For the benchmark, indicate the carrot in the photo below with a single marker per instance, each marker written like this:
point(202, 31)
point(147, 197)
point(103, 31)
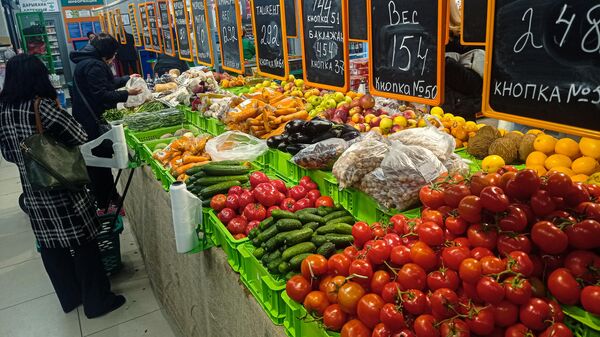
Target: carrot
point(255, 121)
point(275, 132)
point(265, 116)
point(181, 169)
point(243, 115)
point(302, 114)
point(182, 177)
point(187, 159)
point(285, 111)
point(175, 161)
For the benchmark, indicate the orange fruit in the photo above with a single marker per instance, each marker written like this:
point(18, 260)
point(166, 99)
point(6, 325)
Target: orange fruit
point(544, 143)
point(568, 147)
point(540, 169)
point(564, 170)
point(491, 164)
point(536, 158)
point(579, 178)
point(585, 165)
point(557, 160)
point(590, 147)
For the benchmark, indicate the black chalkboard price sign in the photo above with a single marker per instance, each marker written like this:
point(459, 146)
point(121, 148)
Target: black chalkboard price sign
point(270, 38)
point(473, 22)
point(406, 49)
point(229, 23)
point(324, 28)
point(135, 30)
point(153, 26)
point(182, 29)
point(290, 18)
point(204, 51)
point(357, 20)
point(165, 27)
point(543, 64)
point(145, 29)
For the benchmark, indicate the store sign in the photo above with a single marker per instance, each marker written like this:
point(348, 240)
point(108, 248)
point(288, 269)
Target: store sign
point(204, 51)
point(182, 29)
point(324, 27)
point(135, 30)
point(270, 38)
point(229, 23)
point(542, 64)
point(473, 22)
point(145, 29)
point(71, 3)
point(38, 5)
point(406, 49)
point(165, 27)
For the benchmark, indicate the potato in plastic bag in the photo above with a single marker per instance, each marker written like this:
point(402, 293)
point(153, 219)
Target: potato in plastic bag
point(321, 155)
point(430, 137)
point(234, 145)
point(359, 159)
point(402, 173)
point(456, 165)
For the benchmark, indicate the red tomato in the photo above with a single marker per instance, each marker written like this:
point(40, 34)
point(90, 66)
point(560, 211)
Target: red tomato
point(431, 196)
point(378, 252)
point(313, 195)
point(470, 270)
point(239, 236)
point(302, 204)
point(271, 209)
point(443, 278)
point(379, 280)
point(590, 299)
point(297, 287)
point(556, 310)
point(392, 240)
point(361, 233)
point(298, 192)
point(368, 309)
point(218, 202)
point(308, 183)
point(538, 288)
point(324, 201)
point(582, 264)
point(535, 314)
point(520, 262)
point(470, 209)
point(287, 204)
point(237, 225)
point(255, 212)
point(316, 302)
point(426, 326)
point(549, 238)
point(518, 290)
point(355, 328)
point(431, 233)
point(364, 270)
point(279, 185)
point(482, 236)
point(257, 178)
point(414, 301)
point(455, 193)
point(381, 330)
point(433, 216)
point(332, 287)
point(313, 266)
point(412, 276)
point(454, 327)
point(518, 330)
point(246, 198)
point(398, 222)
point(563, 286)
point(492, 265)
point(378, 230)
point(266, 194)
point(339, 264)
point(558, 184)
point(515, 219)
point(542, 203)
point(489, 290)
point(493, 199)
point(235, 190)
point(391, 315)
point(577, 194)
point(584, 234)
point(454, 255)
point(348, 296)
point(506, 313)
point(251, 225)
point(480, 180)
point(226, 215)
point(482, 323)
point(456, 225)
point(351, 252)
point(469, 294)
point(424, 256)
point(557, 330)
point(444, 303)
point(509, 243)
point(391, 292)
point(479, 253)
point(334, 317)
point(591, 210)
point(523, 185)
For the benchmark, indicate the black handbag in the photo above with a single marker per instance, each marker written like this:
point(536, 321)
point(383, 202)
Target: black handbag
point(103, 127)
point(50, 164)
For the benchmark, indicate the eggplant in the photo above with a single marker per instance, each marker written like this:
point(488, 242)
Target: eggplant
point(299, 137)
point(334, 132)
point(282, 146)
point(317, 127)
point(296, 125)
point(274, 141)
point(295, 148)
point(350, 134)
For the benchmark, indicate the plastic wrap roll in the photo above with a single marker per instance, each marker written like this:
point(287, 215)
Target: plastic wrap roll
point(187, 214)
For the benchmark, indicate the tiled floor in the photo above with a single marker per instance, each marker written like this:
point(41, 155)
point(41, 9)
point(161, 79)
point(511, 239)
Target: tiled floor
point(28, 305)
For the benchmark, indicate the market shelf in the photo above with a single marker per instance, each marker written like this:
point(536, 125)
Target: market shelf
point(221, 237)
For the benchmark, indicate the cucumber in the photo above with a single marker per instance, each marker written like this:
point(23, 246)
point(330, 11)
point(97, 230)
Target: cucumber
point(218, 188)
point(334, 215)
point(297, 236)
point(290, 274)
point(284, 267)
point(312, 225)
point(255, 242)
point(281, 214)
point(345, 219)
point(307, 217)
point(266, 234)
point(296, 261)
point(225, 170)
point(270, 257)
point(304, 247)
point(258, 253)
point(253, 233)
point(227, 162)
point(340, 240)
point(326, 249)
point(266, 223)
point(339, 228)
point(273, 266)
point(310, 210)
point(207, 181)
point(274, 242)
point(193, 170)
point(284, 225)
point(318, 240)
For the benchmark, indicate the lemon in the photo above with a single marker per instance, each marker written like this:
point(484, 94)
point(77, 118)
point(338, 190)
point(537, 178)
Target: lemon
point(557, 160)
point(568, 147)
point(585, 165)
point(579, 178)
point(491, 164)
point(564, 170)
point(540, 169)
point(535, 132)
point(480, 125)
point(544, 143)
point(536, 158)
point(436, 110)
point(590, 147)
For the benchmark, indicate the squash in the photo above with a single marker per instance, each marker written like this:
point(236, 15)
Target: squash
point(165, 87)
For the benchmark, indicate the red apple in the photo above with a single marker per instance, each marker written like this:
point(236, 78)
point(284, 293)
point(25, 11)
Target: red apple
point(367, 101)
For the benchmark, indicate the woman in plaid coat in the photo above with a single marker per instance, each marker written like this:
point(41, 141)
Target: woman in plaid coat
point(64, 222)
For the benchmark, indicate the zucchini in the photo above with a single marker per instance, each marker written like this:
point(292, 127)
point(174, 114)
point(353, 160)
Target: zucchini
point(207, 181)
point(296, 261)
point(340, 240)
point(281, 214)
point(266, 234)
point(318, 240)
point(297, 236)
point(345, 219)
point(301, 248)
point(339, 228)
point(225, 170)
point(312, 225)
point(258, 253)
point(273, 265)
point(326, 249)
point(284, 267)
point(307, 217)
point(266, 223)
point(284, 225)
point(334, 215)
point(223, 187)
point(270, 257)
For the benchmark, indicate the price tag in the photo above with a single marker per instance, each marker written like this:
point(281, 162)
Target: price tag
point(133, 19)
point(270, 39)
point(182, 29)
point(153, 26)
point(229, 23)
point(202, 32)
point(145, 30)
point(165, 27)
point(542, 64)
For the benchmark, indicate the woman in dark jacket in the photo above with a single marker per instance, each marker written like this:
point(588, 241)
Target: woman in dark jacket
point(95, 83)
point(63, 222)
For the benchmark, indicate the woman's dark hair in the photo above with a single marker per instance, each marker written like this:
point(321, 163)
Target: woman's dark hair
point(26, 78)
point(106, 45)
point(90, 34)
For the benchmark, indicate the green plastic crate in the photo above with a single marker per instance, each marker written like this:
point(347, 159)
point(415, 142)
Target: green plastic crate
point(225, 240)
point(265, 287)
point(214, 126)
point(279, 162)
point(474, 163)
point(298, 323)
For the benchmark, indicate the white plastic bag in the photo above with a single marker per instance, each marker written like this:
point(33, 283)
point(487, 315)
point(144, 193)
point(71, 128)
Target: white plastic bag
point(321, 155)
point(142, 97)
point(235, 145)
point(430, 137)
point(359, 159)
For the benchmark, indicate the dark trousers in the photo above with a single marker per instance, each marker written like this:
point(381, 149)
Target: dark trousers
point(79, 278)
point(103, 184)
point(129, 67)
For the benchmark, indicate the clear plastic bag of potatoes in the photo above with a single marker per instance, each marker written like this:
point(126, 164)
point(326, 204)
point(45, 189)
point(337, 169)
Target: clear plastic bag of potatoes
point(359, 159)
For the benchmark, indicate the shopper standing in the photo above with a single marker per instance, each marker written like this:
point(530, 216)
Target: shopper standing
point(62, 221)
point(95, 92)
point(127, 56)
